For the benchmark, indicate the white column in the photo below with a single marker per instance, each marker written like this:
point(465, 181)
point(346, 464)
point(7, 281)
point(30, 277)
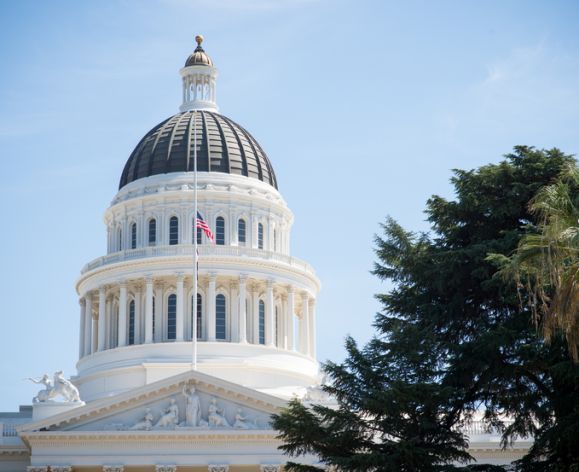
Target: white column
point(138, 314)
point(179, 322)
point(158, 321)
point(312, 327)
point(81, 329)
point(242, 324)
point(269, 315)
point(234, 315)
point(108, 323)
point(102, 319)
point(88, 323)
point(211, 308)
point(255, 313)
point(290, 319)
point(122, 330)
point(148, 310)
point(304, 325)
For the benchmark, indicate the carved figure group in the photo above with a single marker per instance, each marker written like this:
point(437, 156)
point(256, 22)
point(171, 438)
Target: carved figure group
point(57, 386)
point(169, 417)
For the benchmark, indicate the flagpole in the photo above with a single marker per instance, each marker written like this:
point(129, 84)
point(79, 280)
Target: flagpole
point(195, 257)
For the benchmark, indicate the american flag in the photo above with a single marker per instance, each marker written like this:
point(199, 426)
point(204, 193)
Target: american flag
point(201, 224)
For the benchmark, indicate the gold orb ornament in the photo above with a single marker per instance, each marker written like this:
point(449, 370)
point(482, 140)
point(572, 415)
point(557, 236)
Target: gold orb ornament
point(199, 39)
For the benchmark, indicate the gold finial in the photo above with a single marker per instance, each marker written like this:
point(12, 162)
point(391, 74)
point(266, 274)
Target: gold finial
point(199, 39)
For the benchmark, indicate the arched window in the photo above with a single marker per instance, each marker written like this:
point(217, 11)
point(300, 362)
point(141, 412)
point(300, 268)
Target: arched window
point(260, 236)
point(220, 230)
point(199, 232)
point(261, 322)
point(120, 239)
point(152, 232)
point(174, 230)
point(132, 322)
point(220, 317)
point(133, 236)
point(199, 316)
point(172, 317)
point(241, 232)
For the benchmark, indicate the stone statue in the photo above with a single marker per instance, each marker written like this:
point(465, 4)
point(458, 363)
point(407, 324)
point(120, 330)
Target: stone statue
point(65, 388)
point(46, 393)
point(192, 407)
point(146, 424)
point(57, 386)
point(170, 417)
point(215, 417)
point(242, 422)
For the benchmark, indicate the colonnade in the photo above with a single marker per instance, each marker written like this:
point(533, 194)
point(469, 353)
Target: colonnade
point(237, 309)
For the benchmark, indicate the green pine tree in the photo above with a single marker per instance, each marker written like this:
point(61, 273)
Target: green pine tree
point(451, 339)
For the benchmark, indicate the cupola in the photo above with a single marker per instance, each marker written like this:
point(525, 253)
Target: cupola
point(199, 79)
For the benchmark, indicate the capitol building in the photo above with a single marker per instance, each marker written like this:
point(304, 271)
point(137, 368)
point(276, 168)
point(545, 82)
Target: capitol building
point(170, 378)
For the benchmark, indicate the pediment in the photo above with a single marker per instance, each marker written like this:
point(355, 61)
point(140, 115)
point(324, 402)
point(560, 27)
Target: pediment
point(191, 402)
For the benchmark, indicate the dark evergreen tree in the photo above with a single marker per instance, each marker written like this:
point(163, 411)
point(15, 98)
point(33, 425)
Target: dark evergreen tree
point(451, 339)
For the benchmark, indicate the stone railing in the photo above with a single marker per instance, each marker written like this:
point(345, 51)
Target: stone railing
point(205, 250)
point(477, 428)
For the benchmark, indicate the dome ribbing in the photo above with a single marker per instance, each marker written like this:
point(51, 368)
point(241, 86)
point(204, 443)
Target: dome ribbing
point(222, 146)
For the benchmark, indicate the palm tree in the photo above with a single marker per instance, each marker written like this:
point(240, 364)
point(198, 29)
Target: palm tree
point(545, 265)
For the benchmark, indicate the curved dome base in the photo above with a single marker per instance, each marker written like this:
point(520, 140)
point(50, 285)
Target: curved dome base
point(113, 371)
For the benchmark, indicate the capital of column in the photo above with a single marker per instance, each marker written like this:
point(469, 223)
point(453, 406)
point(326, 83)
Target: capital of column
point(165, 468)
point(149, 279)
point(270, 468)
point(180, 277)
point(243, 279)
point(269, 284)
point(212, 277)
point(218, 468)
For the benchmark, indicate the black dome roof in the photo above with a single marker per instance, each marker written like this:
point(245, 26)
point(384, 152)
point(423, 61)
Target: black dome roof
point(222, 146)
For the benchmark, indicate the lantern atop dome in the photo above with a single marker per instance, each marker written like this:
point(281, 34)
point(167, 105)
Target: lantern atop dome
point(199, 80)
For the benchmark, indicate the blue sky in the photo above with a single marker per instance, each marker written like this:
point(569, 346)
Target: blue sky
point(363, 107)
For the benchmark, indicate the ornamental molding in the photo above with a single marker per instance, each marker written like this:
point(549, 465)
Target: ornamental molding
point(270, 468)
point(60, 468)
point(113, 468)
point(37, 468)
point(166, 468)
point(218, 468)
point(305, 277)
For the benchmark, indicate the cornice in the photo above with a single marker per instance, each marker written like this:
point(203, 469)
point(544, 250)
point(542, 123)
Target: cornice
point(107, 406)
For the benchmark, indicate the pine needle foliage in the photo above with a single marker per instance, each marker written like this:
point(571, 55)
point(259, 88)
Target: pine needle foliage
point(450, 340)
